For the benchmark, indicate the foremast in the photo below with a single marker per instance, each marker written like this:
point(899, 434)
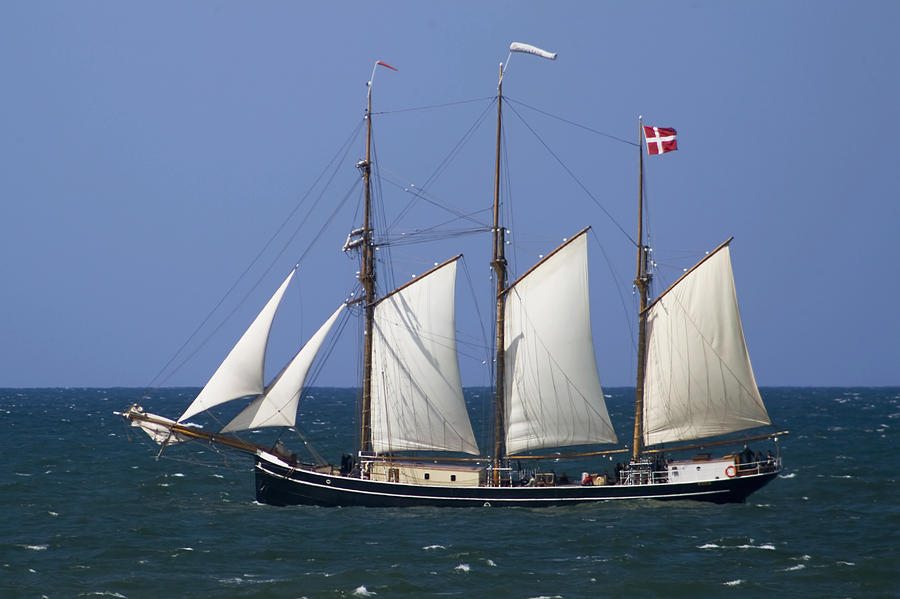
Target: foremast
point(367, 272)
point(642, 282)
point(367, 280)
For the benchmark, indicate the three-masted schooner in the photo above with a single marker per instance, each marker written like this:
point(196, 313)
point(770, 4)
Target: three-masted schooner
point(694, 381)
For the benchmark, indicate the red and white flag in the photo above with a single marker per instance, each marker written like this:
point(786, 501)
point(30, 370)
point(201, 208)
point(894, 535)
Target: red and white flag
point(660, 140)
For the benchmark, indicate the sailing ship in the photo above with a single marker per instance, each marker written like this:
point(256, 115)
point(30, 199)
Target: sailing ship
point(694, 383)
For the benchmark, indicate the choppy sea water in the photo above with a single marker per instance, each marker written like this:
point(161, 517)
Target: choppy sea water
point(87, 511)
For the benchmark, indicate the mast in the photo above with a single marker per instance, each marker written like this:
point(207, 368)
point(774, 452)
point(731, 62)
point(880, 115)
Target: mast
point(498, 263)
point(367, 279)
point(642, 281)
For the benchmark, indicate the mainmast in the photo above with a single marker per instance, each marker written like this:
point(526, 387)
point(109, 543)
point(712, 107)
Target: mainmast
point(498, 263)
point(642, 281)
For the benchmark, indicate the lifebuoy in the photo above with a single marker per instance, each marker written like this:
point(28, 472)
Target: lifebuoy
point(730, 471)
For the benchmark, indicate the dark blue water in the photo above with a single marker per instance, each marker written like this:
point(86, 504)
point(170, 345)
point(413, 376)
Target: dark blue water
point(89, 512)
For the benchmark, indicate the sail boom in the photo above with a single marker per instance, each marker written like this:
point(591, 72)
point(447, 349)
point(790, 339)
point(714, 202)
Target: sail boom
point(718, 443)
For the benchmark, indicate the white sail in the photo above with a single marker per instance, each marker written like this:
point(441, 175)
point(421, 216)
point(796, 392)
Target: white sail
point(553, 393)
point(699, 382)
point(241, 373)
point(278, 405)
point(417, 399)
point(158, 428)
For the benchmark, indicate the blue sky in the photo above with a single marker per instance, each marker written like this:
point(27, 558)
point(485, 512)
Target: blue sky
point(148, 151)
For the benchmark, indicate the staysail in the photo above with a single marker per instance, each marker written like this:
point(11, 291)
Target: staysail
point(278, 405)
point(699, 381)
point(417, 399)
point(241, 373)
point(553, 393)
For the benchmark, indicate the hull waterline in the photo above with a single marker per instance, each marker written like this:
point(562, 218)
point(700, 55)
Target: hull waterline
point(283, 486)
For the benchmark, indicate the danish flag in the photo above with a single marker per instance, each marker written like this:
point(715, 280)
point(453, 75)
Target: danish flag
point(660, 140)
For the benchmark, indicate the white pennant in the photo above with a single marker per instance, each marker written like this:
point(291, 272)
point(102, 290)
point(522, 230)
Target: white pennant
point(529, 49)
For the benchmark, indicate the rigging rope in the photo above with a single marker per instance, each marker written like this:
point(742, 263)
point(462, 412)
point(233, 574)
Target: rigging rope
point(445, 163)
point(573, 123)
point(156, 382)
point(574, 178)
point(434, 106)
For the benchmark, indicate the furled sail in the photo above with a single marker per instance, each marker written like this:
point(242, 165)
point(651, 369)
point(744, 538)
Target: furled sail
point(278, 405)
point(699, 382)
point(241, 373)
point(553, 393)
point(417, 399)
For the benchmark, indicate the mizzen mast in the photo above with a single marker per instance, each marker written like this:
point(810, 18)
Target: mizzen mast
point(642, 282)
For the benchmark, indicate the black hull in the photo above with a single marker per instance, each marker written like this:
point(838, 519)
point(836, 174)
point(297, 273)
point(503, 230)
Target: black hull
point(277, 485)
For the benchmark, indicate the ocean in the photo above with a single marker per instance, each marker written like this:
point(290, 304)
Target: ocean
point(88, 511)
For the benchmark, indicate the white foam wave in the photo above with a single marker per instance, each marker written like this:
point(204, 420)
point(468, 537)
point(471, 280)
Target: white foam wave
point(767, 546)
point(794, 568)
point(362, 591)
point(246, 579)
point(463, 568)
point(789, 475)
point(431, 547)
point(733, 583)
point(35, 547)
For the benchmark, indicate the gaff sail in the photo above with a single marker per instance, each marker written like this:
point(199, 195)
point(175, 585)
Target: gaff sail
point(417, 399)
point(553, 392)
point(699, 382)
